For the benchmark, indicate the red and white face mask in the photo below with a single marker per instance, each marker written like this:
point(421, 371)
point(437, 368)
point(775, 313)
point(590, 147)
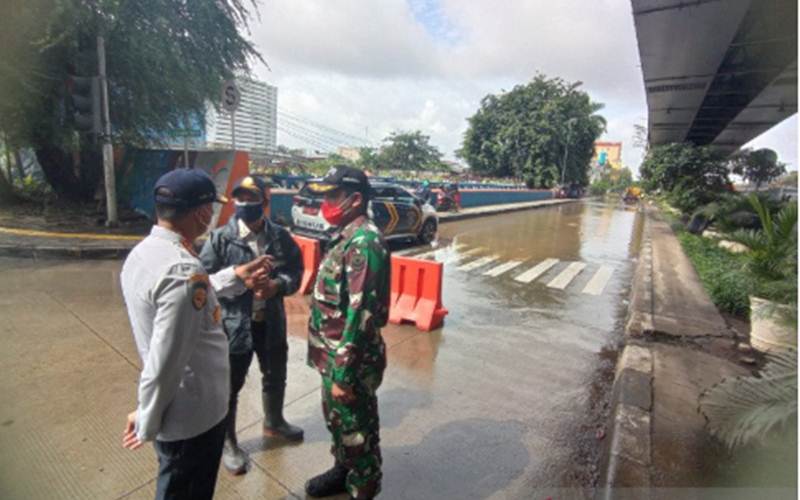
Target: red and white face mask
point(334, 214)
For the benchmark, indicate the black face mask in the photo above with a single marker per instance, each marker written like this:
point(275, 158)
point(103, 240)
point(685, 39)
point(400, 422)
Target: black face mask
point(249, 212)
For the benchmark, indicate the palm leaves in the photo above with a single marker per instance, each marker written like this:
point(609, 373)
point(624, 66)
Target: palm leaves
point(741, 409)
point(744, 408)
point(774, 246)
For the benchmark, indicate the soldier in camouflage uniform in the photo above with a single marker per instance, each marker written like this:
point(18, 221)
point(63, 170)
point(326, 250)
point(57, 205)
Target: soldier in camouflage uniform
point(350, 304)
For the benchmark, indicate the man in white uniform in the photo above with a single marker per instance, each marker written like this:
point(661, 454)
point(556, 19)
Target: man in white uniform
point(176, 322)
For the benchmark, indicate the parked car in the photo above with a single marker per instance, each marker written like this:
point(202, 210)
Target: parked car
point(395, 210)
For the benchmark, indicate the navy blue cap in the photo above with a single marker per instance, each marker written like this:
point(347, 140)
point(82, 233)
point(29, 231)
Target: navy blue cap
point(250, 183)
point(186, 188)
point(341, 176)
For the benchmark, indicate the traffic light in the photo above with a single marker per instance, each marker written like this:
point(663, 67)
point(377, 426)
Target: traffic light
point(84, 93)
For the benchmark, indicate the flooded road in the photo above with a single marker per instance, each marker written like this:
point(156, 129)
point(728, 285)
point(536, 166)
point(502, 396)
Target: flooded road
point(526, 346)
point(504, 401)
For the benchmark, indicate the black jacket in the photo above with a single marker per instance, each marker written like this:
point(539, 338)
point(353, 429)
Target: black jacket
point(225, 248)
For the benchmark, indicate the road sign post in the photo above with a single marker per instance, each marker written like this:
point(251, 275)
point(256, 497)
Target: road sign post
point(231, 97)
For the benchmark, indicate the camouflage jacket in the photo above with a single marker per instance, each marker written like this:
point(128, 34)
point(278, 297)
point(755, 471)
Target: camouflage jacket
point(349, 305)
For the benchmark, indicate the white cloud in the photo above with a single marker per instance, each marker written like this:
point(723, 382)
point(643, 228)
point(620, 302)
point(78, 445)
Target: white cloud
point(368, 68)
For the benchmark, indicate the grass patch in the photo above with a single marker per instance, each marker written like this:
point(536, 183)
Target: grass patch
point(722, 273)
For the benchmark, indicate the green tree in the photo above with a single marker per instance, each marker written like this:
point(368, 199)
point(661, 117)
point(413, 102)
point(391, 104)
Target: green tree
point(165, 59)
point(320, 167)
point(612, 180)
point(369, 159)
point(759, 167)
point(691, 175)
point(410, 151)
point(539, 132)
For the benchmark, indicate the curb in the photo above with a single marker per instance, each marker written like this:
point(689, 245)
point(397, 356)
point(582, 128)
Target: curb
point(43, 252)
point(627, 455)
point(629, 451)
point(73, 251)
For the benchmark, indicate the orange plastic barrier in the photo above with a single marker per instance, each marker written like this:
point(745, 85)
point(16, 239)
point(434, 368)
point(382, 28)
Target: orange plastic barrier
point(312, 255)
point(416, 294)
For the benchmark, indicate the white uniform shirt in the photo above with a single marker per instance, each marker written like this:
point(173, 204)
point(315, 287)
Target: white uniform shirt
point(175, 318)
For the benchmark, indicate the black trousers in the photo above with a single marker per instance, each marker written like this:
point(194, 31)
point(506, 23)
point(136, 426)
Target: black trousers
point(272, 352)
point(187, 469)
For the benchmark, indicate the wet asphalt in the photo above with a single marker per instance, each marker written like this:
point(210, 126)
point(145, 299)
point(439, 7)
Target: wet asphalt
point(507, 400)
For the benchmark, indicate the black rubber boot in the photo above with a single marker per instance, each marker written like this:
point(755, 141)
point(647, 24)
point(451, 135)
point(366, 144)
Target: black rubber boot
point(331, 482)
point(233, 458)
point(274, 423)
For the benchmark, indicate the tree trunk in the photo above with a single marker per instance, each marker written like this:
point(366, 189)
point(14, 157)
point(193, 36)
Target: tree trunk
point(59, 170)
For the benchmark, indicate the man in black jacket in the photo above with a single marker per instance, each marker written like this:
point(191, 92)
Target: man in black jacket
point(255, 320)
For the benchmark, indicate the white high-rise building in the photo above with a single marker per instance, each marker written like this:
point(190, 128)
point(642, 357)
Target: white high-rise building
point(256, 119)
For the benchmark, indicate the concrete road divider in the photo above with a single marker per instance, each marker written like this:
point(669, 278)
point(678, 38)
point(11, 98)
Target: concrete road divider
point(312, 255)
point(416, 293)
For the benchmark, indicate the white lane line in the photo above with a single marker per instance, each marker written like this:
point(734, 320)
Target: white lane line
point(477, 263)
point(463, 255)
point(406, 252)
point(425, 255)
point(567, 275)
point(599, 280)
point(502, 268)
point(536, 271)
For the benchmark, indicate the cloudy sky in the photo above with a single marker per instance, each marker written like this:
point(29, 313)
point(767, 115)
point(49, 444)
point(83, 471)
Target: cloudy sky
point(369, 67)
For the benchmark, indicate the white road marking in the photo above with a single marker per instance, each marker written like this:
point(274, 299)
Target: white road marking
point(502, 268)
point(536, 271)
point(405, 252)
point(567, 275)
point(425, 255)
point(599, 280)
point(463, 255)
point(477, 263)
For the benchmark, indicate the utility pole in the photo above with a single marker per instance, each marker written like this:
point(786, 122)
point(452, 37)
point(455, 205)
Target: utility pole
point(108, 153)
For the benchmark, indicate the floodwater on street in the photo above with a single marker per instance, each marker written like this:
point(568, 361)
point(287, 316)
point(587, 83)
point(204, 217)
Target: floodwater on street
point(505, 401)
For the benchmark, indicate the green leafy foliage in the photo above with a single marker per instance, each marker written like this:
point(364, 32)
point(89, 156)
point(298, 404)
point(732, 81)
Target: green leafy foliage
point(690, 176)
point(734, 211)
point(758, 167)
point(533, 132)
point(612, 181)
point(722, 273)
point(164, 61)
point(773, 252)
point(320, 167)
point(742, 409)
point(409, 151)
point(369, 159)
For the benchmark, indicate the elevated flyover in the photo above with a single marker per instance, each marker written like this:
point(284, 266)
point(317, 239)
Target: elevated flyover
point(717, 72)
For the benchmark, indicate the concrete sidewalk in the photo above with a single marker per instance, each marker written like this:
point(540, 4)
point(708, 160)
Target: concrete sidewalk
point(40, 237)
point(677, 346)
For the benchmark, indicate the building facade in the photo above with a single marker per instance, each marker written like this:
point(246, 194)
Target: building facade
point(256, 120)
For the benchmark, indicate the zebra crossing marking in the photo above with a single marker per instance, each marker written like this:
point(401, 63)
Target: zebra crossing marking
point(536, 271)
point(477, 263)
point(426, 254)
point(463, 255)
point(567, 275)
point(502, 268)
point(599, 281)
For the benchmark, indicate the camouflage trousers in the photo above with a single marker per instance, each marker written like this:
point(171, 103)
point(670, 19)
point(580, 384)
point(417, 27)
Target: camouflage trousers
point(355, 428)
